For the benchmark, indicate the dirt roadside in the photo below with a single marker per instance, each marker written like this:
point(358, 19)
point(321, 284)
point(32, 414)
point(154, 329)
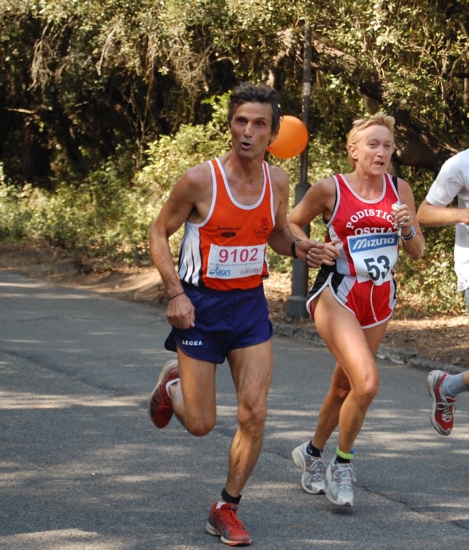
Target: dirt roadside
point(442, 338)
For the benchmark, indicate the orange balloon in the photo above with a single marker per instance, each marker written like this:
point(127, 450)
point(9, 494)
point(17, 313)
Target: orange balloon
point(291, 140)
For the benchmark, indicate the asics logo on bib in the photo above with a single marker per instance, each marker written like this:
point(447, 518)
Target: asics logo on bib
point(220, 272)
point(372, 242)
point(192, 342)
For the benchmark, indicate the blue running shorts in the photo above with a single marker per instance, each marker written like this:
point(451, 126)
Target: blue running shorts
point(224, 320)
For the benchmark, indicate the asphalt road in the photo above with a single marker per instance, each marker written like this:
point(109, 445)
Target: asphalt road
point(83, 468)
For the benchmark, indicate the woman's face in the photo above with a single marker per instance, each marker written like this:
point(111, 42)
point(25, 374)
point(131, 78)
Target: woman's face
point(373, 151)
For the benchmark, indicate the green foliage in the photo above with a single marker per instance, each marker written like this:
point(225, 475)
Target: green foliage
point(102, 217)
point(78, 79)
point(407, 54)
point(170, 156)
point(430, 283)
point(14, 211)
point(110, 213)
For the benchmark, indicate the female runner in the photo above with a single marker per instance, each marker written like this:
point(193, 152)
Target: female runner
point(368, 214)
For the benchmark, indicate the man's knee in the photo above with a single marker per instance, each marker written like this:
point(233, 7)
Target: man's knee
point(199, 425)
point(252, 417)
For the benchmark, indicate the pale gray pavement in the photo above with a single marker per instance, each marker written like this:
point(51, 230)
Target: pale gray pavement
point(82, 467)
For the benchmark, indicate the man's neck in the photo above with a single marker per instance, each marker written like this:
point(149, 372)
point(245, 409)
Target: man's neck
point(246, 171)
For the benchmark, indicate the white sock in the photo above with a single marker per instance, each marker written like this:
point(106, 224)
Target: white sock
point(170, 383)
point(453, 385)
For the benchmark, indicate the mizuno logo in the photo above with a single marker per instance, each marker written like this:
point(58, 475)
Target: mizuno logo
point(374, 242)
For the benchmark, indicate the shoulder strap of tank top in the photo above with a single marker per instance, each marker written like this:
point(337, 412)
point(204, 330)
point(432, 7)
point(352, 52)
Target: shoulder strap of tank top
point(269, 189)
point(219, 181)
point(337, 181)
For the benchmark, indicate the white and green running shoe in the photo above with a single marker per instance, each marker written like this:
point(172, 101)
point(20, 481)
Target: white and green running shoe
point(339, 478)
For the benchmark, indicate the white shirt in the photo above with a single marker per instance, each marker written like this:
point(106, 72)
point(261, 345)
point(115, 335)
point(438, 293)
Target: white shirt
point(451, 182)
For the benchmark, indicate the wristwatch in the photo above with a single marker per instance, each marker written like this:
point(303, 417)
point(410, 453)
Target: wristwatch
point(293, 247)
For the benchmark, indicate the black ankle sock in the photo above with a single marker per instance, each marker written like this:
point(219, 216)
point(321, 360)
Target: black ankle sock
point(228, 498)
point(313, 451)
point(341, 460)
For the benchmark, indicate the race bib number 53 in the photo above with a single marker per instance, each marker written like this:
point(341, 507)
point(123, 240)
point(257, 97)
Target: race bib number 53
point(374, 256)
point(235, 262)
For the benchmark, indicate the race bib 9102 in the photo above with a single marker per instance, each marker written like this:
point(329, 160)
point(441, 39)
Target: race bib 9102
point(235, 262)
point(374, 256)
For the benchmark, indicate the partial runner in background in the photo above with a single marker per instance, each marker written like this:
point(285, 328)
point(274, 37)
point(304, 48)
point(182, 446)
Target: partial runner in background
point(451, 182)
point(444, 389)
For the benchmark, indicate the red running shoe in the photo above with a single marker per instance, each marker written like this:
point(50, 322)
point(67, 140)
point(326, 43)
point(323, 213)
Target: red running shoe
point(160, 407)
point(225, 523)
point(442, 413)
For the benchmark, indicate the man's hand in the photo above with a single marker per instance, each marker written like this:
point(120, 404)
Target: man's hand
point(181, 312)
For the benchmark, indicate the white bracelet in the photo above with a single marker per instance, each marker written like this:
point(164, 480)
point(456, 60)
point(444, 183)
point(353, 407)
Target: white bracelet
point(410, 236)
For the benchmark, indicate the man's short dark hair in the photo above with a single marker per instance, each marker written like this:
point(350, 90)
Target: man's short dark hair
point(250, 93)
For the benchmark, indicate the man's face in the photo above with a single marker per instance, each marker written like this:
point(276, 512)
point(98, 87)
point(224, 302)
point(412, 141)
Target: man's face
point(251, 129)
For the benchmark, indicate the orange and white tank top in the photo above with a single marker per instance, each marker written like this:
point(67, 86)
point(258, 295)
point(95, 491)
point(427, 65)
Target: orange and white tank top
point(228, 249)
point(368, 238)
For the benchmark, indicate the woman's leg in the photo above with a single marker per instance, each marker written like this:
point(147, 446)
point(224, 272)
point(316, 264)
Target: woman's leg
point(355, 379)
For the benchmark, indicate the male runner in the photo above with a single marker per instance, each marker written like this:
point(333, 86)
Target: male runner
point(451, 182)
point(231, 207)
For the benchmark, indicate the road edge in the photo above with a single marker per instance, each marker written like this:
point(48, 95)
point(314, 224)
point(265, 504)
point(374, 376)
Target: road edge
point(394, 355)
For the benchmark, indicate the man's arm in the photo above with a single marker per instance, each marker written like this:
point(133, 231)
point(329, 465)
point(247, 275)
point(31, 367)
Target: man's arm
point(189, 192)
point(312, 252)
point(450, 181)
point(438, 216)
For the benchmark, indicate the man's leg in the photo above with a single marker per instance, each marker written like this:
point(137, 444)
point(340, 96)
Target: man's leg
point(194, 396)
point(444, 389)
point(186, 387)
point(251, 369)
point(189, 392)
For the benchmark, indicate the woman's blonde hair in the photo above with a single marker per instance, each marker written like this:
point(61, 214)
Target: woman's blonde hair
point(380, 119)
